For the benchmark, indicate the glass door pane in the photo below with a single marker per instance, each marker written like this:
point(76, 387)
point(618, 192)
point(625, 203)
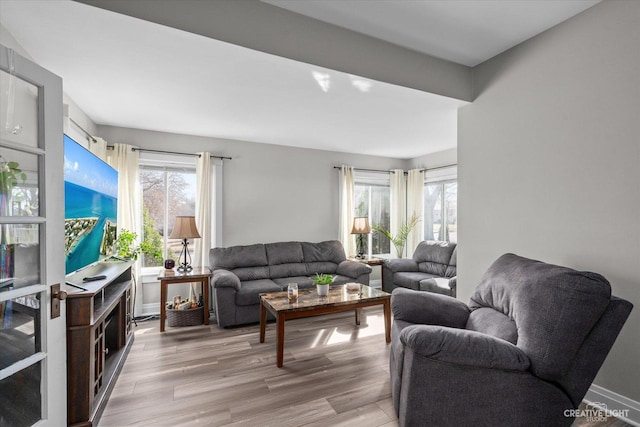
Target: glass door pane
point(22, 317)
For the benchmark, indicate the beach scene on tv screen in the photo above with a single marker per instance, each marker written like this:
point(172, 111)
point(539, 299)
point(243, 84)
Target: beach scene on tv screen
point(91, 189)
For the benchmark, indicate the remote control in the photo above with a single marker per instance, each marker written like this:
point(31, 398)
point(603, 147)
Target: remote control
point(94, 278)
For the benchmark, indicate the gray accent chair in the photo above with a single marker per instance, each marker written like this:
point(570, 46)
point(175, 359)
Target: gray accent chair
point(432, 268)
point(524, 350)
point(242, 273)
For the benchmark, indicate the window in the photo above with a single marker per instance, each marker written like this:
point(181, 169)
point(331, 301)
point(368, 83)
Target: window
point(371, 199)
point(440, 211)
point(166, 193)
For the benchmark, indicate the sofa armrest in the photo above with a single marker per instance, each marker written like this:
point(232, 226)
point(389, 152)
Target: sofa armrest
point(225, 279)
point(400, 264)
point(428, 308)
point(352, 269)
point(453, 284)
point(464, 347)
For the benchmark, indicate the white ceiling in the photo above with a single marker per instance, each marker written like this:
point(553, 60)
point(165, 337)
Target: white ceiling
point(126, 72)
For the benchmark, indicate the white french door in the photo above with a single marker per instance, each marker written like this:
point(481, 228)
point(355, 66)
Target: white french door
point(32, 343)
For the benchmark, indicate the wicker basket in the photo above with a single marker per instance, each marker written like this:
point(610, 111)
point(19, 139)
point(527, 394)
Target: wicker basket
point(190, 317)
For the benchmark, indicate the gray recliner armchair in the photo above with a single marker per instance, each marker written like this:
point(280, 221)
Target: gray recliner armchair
point(525, 349)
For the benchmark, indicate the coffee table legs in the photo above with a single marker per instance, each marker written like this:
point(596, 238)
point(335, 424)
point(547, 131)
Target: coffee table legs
point(280, 332)
point(387, 320)
point(280, 320)
point(263, 321)
point(163, 304)
point(280, 324)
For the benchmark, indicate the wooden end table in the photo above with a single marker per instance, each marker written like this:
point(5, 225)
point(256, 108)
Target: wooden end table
point(169, 277)
point(310, 304)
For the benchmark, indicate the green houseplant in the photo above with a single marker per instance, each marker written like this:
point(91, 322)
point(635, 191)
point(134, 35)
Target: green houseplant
point(125, 246)
point(399, 240)
point(322, 282)
point(10, 174)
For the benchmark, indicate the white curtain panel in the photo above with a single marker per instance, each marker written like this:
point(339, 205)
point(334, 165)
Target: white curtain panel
point(398, 200)
point(346, 194)
point(204, 211)
point(98, 146)
point(125, 160)
point(415, 205)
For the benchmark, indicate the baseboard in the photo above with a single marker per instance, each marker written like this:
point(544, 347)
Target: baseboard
point(151, 309)
point(376, 283)
point(614, 404)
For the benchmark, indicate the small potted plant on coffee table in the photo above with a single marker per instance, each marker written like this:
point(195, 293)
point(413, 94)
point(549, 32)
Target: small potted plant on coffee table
point(322, 282)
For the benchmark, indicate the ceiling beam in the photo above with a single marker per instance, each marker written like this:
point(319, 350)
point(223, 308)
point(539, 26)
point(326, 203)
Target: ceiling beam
point(266, 28)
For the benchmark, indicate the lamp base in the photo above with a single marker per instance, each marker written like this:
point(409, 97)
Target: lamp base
point(184, 268)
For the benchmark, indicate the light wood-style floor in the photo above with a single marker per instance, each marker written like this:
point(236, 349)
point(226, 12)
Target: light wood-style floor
point(335, 374)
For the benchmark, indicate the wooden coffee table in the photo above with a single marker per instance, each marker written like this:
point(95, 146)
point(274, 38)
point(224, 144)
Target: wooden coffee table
point(310, 304)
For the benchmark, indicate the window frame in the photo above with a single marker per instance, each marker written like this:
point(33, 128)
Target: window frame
point(165, 166)
point(442, 177)
point(373, 179)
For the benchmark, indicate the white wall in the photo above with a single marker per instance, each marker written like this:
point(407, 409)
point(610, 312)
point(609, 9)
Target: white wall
point(72, 109)
point(271, 192)
point(434, 160)
point(549, 163)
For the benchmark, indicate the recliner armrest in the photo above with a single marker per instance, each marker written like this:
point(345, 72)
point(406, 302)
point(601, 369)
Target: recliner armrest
point(464, 347)
point(400, 264)
point(352, 269)
point(225, 279)
point(428, 308)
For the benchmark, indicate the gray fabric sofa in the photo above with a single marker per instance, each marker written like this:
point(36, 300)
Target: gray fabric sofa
point(432, 268)
point(242, 273)
point(523, 352)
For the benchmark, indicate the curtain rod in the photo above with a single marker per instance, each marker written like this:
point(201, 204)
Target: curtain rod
point(147, 150)
point(366, 170)
point(438, 167)
point(89, 136)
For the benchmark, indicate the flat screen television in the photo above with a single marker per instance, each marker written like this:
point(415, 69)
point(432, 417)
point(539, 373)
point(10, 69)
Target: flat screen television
point(90, 207)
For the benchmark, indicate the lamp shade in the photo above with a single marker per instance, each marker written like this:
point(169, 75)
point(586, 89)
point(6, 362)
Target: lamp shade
point(361, 225)
point(185, 228)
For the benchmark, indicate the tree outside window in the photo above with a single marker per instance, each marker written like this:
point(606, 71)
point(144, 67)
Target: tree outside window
point(166, 194)
point(441, 211)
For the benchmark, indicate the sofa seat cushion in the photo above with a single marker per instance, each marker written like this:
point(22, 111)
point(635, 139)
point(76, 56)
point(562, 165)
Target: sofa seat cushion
point(251, 273)
point(411, 280)
point(249, 293)
point(341, 280)
point(438, 285)
point(304, 282)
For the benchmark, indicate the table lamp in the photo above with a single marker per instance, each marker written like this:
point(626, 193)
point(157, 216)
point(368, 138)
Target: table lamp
point(185, 228)
point(360, 227)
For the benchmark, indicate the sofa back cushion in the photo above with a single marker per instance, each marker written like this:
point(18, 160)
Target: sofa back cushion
point(247, 262)
point(329, 251)
point(285, 259)
point(553, 308)
point(494, 323)
point(323, 257)
point(451, 270)
point(433, 257)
